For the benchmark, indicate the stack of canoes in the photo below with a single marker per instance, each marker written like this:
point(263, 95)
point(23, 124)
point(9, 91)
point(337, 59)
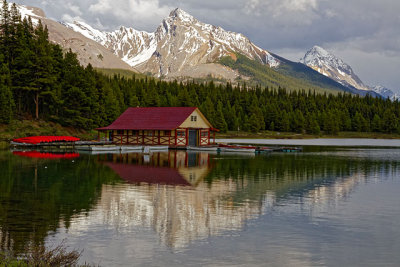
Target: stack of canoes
point(45, 139)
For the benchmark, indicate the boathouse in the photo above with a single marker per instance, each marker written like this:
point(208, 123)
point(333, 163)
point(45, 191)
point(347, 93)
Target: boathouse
point(171, 126)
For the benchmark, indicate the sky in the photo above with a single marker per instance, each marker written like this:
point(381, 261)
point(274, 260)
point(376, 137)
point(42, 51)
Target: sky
point(365, 34)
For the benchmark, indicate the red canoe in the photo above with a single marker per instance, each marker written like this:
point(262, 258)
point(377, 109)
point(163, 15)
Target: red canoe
point(45, 139)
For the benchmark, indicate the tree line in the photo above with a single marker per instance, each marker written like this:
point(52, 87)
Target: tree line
point(39, 80)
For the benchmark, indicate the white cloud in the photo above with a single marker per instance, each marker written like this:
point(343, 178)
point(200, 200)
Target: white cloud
point(74, 8)
point(132, 11)
point(101, 7)
point(289, 12)
point(69, 18)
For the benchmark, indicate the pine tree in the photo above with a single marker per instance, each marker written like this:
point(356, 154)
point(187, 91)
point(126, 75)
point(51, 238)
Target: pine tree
point(220, 122)
point(376, 124)
point(6, 98)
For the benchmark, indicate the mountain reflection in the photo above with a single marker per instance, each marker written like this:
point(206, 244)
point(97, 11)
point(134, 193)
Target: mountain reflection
point(215, 194)
point(182, 196)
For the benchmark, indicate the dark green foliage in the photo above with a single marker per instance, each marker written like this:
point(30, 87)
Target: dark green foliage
point(6, 98)
point(38, 79)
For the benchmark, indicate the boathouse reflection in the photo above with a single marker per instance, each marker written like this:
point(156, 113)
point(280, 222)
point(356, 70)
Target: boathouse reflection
point(171, 168)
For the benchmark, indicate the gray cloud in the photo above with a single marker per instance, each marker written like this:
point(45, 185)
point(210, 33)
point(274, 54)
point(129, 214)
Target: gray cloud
point(363, 33)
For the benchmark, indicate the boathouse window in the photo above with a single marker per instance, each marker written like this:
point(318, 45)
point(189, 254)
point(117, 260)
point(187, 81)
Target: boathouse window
point(204, 133)
point(135, 132)
point(181, 133)
point(193, 118)
point(120, 132)
point(167, 133)
point(150, 133)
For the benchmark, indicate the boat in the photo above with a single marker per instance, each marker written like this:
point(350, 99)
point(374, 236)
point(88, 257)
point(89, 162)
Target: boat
point(83, 148)
point(291, 149)
point(203, 148)
point(264, 149)
point(34, 140)
point(89, 152)
point(158, 148)
point(236, 148)
point(104, 148)
point(132, 148)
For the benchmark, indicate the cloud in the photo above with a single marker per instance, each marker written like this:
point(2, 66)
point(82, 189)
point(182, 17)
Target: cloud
point(283, 12)
point(69, 18)
point(136, 12)
point(101, 7)
point(75, 9)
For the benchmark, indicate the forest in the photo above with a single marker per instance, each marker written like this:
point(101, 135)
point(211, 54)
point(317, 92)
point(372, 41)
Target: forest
point(39, 80)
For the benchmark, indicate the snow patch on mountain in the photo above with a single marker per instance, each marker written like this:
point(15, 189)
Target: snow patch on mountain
point(180, 41)
point(386, 92)
point(331, 66)
point(87, 31)
point(26, 12)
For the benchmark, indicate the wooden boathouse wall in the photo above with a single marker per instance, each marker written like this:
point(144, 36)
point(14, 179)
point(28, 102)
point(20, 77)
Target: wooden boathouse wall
point(193, 128)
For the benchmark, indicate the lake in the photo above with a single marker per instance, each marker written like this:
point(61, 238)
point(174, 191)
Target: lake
point(325, 206)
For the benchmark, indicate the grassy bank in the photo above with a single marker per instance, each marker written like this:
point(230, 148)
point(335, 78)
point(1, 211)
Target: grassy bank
point(281, 135)
point(17, 129)
point(39, 255)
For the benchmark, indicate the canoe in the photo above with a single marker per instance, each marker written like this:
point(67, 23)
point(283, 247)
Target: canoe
point(202, 148)
point(158, 148)
point(104, 148)
point(237, 148)
point(132, 148)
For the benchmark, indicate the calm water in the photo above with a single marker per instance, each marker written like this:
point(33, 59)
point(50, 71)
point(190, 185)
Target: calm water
point(323, 207)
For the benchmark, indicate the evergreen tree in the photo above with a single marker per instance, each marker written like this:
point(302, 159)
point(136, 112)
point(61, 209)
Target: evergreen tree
point(219, 119)
point(6, 99)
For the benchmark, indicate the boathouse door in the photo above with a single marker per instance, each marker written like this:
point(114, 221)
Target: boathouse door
point(192, 137)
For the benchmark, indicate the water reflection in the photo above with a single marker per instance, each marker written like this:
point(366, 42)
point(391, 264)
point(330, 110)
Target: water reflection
point(187, 211)
point(46, 155)
point(186, 197)
point(38, 195)
point(170, 168)
point(181, 197)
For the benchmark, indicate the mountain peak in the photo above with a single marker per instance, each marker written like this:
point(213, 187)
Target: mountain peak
point(319, 50)
point(331, 66)
point(180, 14)
point(316, 53)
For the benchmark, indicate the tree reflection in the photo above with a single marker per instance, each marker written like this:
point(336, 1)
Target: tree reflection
point(38, 195)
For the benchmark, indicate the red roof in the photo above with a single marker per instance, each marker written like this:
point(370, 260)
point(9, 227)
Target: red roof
point(155, 118)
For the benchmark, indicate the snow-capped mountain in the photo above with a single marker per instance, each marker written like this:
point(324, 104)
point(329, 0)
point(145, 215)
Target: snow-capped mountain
point(333, 67)
point(180, 44)
point(87, 50)
point(385, 92)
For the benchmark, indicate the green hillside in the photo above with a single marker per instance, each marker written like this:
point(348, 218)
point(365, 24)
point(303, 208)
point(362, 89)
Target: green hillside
point(289, 75)
point(121, 72)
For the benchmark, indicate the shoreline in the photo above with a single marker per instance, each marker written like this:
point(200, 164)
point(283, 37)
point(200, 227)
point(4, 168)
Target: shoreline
point(332, 142)
point(290, 135)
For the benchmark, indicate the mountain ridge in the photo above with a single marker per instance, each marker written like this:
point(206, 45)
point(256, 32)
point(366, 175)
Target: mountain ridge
point(180, 39)
point(335, 68)
point(182, 46)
